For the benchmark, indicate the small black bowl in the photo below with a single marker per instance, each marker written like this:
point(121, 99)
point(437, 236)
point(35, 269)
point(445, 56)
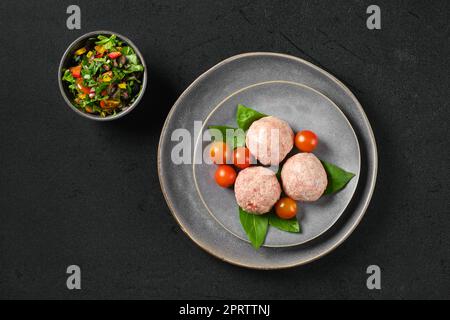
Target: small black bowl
point(65, 63)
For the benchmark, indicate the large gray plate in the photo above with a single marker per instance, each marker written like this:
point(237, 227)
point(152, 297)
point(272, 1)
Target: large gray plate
point(303, 108)
point(197, 102)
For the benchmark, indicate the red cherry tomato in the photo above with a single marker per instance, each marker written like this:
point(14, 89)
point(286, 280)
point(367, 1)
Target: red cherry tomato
point(241, 157)
point(219, 152)
point(306, 141)
point(114, 55)
point(225, 176)
point(286, 208)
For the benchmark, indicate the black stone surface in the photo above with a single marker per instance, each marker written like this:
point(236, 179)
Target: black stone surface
point(73, 191)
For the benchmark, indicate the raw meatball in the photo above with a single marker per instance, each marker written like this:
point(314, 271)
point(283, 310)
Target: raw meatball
point(269, 140)
point(303, 177)
point(257, 189)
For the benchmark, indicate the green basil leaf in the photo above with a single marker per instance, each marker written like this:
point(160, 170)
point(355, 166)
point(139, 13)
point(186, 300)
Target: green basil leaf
point(233, 136)
point(255, 226)
point(290, 225)
point(246, 116)
point(337, 177)
point(278, 174)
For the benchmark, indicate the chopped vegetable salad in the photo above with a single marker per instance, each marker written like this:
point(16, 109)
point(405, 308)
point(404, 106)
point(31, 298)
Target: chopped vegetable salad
point(106, 76)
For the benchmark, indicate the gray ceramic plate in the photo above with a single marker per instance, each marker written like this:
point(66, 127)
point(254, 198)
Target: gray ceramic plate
point(198, 101)
point(303, 108)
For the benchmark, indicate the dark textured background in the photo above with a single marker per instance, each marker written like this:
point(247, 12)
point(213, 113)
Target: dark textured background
point(73, 191)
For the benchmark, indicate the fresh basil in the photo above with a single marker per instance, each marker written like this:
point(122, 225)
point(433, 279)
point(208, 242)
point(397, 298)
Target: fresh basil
point(233, 136)
point(255, 226)
point(246, 116)
point(337, 177)
point(290, 225)
point(278, 174)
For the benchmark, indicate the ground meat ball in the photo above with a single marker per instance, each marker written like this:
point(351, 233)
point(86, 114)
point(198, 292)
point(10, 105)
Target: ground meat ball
point(270, 140)
point(257, 189)
point(303, 177)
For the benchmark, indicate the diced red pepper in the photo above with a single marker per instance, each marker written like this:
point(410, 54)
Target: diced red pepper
point(76, 71)
point(81, 87)
point(104, 93)
point(114, 55)
point(102, 103)
point(99, 55)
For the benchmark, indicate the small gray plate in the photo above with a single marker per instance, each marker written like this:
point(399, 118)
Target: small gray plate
point(198, 101)
point(303, 108)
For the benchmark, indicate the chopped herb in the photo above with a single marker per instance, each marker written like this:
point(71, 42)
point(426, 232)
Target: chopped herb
point(255, 226)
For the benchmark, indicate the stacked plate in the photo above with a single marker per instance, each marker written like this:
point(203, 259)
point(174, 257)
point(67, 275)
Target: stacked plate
point(308, 98)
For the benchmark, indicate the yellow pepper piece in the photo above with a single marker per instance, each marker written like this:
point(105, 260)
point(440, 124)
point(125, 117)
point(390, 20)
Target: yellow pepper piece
point(100, 49)
point(107, 76)
point(122, 85)
point(109, 103)
point(80, 51)
point(82, 96)
point(89, 54)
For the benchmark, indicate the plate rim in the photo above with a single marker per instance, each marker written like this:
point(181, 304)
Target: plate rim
point(364, 118)
point(297, 84)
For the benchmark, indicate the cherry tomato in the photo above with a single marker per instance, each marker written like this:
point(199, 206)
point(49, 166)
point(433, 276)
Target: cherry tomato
point(114, 55)
point(225, 176)
point(306, 141)
point(241, 157)
point(286, 208)
point(219, 152)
